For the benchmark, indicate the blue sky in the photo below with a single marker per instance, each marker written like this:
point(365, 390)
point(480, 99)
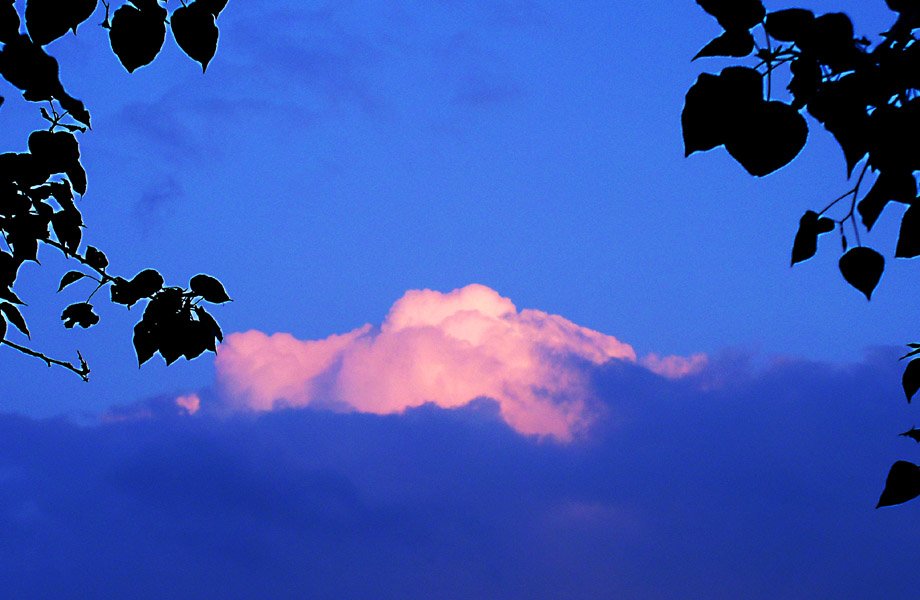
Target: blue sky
point(336, 156)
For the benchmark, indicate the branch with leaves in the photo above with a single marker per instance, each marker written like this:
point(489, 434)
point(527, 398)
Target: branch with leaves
point(867, 98)
point(37, 187)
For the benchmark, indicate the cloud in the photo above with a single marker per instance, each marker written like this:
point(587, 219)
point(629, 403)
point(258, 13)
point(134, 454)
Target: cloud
point(693, 493)
point(447, 349)
point(190, 403)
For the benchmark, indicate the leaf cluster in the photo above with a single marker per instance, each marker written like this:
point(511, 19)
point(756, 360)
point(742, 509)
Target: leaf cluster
point(137, 31)
point(867, 98)
point(37, 187)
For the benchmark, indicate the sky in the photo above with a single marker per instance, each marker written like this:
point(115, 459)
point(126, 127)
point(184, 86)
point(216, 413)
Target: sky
point(492, 334)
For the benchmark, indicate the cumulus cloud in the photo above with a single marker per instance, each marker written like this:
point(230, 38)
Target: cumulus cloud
point(447, 349)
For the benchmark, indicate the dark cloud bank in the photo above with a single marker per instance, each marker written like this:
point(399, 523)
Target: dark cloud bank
point(735, 483)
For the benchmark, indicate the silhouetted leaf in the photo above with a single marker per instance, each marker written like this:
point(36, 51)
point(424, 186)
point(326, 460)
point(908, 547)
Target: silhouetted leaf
point(2, 329)
point(9, 21)
point(909, 236)
point(830, 40)
point(13, 315)
point(79, 314)
point(769, 137)
point(899, 186)
point(196, 32)
point(165, 306)
point(96, 258)
point(913, 434)
point(24, 169)
point(70, 277)
point(147, 283)
point(25, 246)
point(806, 79)
point(59, 152)
point(902, 484)
point(137, 33)
point(714, 105)
point(67, 226)
point(909, 354)
point(806, 238)
point(910, 381)
point(48, 20)
point(862, 267)
point(10, 296)
point(735, 42)
point(145, 343)
point(9, 266)
point(75, 109)
point(124, 293)
point(890, 127)
point(208, 288)
point(789, 25)
point(61, 191)
point(210, 323)
point(196, 339)
point(31, 69)
point(735, 14)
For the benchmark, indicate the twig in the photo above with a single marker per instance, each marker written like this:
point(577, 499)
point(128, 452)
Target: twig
point(83, 371)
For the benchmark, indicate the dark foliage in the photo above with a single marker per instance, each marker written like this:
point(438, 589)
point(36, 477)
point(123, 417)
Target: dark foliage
point(867, 97)
point(37, 205)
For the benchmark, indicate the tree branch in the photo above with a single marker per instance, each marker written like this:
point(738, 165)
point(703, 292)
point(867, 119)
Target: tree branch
point(83, 371)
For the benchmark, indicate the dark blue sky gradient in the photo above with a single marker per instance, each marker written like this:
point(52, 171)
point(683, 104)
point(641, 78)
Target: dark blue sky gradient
point(762, 487)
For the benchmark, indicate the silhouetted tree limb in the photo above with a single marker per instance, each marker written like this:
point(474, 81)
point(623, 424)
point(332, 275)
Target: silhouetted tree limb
point(869, 100)
point(38, 187)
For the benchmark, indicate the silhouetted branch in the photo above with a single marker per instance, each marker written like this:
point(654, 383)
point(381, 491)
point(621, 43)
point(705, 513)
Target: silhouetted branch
point(83, 371)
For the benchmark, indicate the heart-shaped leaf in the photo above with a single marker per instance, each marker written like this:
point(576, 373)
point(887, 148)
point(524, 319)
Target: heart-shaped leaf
point(196, 32)
point(862, 267)
point(769, 136)
point(715, 103)
point(137, 34)
point(47, 20)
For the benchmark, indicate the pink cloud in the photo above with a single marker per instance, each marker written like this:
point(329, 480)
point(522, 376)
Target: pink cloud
point(189, 404)
point(675, 367)
point(442, 348)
